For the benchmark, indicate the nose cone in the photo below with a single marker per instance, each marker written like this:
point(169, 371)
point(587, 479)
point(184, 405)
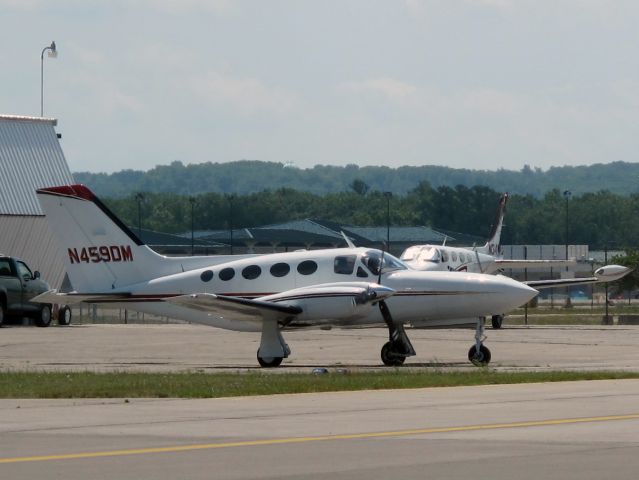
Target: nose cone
point(519, 293)
point(504, 293)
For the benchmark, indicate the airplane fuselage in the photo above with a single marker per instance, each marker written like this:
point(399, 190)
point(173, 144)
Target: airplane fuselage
point(433, 298)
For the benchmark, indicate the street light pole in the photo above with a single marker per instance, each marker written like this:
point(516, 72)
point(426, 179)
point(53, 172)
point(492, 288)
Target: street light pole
point(230, 199)
point(567, 194)
point(139, 197)
point(53, 53)
point(388, 196)
point(192, 202)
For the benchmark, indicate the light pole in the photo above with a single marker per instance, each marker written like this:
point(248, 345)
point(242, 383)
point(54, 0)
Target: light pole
point(53, 53)
point(567, 195)
point(139, 197)
point(192, 202)
point(388, 196)
point(230, 198)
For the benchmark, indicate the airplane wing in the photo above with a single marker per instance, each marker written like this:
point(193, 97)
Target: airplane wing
point(234, 307)
point(609, 273)
point(520, 264)
point(328, 301)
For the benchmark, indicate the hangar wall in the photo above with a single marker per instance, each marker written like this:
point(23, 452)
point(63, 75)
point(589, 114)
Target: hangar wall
point(30, 158)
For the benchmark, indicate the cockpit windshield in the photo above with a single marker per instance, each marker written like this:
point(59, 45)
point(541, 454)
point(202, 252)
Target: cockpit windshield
point(373, 258)
point(430, 254)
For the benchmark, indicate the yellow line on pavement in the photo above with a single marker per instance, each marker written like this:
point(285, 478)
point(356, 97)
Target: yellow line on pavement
point(352, 436)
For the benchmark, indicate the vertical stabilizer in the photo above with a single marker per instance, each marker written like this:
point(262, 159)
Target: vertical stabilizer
point(494, 238)
point(100, 252)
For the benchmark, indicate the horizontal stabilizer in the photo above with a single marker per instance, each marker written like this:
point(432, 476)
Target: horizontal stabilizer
point(52, 296)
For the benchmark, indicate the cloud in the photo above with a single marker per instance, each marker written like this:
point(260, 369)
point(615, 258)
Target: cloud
point(387, 87)
point(244, 95)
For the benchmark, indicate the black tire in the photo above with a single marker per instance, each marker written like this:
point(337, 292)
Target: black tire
point(64, 316)
point(390, 358)
point(497, 321)
point(269, 362)
point(481, 358)
point(3, 312)
point(44, 317)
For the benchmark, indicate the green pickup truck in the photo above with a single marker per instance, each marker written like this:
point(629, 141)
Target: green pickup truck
point(17, 286)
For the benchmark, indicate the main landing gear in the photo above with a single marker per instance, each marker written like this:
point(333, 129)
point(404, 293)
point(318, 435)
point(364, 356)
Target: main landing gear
point(273, 349)
point(497, 321)
point(479, 355)
point(398, 347)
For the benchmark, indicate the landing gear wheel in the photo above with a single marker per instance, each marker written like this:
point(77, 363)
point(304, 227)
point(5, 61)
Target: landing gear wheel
point(390, 358)
point(44, 318)
point(481, 358)
point(269, 362)
point(497, 321)
point(64, 316)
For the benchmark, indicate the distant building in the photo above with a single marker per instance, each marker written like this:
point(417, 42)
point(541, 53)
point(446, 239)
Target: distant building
point(30, 158)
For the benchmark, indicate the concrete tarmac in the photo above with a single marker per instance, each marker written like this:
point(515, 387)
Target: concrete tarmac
point(573, 430)
point(181, 347)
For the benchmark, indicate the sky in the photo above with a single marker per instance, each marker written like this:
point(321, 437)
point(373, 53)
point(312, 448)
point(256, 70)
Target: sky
point(479, 84)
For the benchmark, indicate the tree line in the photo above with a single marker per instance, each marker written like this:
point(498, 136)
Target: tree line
point(245, 177)
point(597, 219)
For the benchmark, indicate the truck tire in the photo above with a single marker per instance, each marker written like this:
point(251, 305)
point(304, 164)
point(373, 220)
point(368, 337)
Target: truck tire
point(3, 312)
point(44, 318)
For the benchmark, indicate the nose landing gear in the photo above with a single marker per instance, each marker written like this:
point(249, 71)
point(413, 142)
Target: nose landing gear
point(479, 355)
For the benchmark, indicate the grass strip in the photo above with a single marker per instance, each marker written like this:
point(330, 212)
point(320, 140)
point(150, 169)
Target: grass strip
point(206, 385)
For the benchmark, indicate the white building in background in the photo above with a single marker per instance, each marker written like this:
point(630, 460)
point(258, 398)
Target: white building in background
point(30, 158)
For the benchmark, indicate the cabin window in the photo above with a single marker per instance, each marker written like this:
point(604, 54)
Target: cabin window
point(453, 255)
point(444, 256)
point(251, 272)
point(307, 267)
point(280, 269)
point(361, 273)
point(344, 264)
point(206, 276)
point(226, 274)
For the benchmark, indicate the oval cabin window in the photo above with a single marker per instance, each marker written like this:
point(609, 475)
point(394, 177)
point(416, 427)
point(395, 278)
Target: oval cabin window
point(280, 269)
point(226, 274)
point(206, 275)
point(251, 272)
point(307, 267)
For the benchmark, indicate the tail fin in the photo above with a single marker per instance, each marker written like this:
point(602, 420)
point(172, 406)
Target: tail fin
point(100, 252)
point(492, 245)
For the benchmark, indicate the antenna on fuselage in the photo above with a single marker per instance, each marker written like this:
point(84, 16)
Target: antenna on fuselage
point(348, 241)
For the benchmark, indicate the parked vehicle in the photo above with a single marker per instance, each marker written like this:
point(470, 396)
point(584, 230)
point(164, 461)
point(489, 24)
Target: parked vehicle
point(18, 284)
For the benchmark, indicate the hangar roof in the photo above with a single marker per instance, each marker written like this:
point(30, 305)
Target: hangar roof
point(30, 158)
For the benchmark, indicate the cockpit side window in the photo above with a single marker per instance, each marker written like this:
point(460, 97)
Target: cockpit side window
point(344, 264)
point(444, 256)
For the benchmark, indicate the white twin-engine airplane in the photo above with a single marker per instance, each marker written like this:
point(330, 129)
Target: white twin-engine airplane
point(485, 259)
point(347, 287)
